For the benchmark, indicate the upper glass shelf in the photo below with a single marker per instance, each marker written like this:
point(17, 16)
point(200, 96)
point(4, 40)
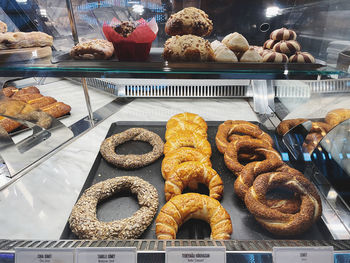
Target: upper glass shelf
point(60, 65)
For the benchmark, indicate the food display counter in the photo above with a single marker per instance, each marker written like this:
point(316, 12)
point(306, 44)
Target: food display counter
point(208, 143)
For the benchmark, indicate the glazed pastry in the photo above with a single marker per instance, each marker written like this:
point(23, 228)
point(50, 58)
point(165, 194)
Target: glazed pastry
point(190, 20)
point(275, 57)
point(189, 174)
point(56, 109)
point(188, 48)
point(223, 53)
point(236, 42)
point(93, 49)
point(11, 40)
point(173, 122)
point(182, 155)
point(269, 44)
point(9, 125)
point(283, 34)
point(302, 57)
point(183, 207)
point(26, 90)
point(287, 47)
point(251, 55)
point(9, 91)
point(337, 116)
point(3, 27)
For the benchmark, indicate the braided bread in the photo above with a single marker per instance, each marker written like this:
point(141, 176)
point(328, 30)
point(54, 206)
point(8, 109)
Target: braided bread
point(233, 149)
point(187, 139)
point(184, 154)
point(193, 172)
point(337, 116)
point(275, 221)
point(183, 207)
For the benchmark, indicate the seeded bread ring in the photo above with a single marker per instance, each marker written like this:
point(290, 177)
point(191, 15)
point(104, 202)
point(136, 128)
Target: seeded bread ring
point(83, 219)
point(283, 223)
point(132, 161)
point(255, 147)
point(252, 170)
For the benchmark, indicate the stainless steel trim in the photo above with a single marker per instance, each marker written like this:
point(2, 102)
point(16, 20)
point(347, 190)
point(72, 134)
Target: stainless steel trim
point(72, 21)
point(61, 138)
point(159, 246)
point(87, 101)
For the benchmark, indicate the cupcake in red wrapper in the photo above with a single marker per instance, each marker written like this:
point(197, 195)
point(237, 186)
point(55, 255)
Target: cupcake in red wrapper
point(131, 40)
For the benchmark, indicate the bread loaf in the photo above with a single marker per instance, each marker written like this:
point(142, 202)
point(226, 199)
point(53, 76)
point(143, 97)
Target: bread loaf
point(12, 40)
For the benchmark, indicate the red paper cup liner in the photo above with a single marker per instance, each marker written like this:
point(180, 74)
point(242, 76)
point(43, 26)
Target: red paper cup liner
point(135, 47)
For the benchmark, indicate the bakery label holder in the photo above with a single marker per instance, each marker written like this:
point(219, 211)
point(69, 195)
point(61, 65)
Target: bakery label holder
point(33, 255)
point(195, 255)
point(106, 255)
point(303, 254)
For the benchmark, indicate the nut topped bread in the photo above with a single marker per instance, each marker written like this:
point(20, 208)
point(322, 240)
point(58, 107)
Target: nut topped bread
point(189, 20)
point(188, 48)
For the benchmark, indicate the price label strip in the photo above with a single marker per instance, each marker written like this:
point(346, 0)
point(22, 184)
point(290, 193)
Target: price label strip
point(303, 254)
point(195, 255)
point(106, 255)
point(32, 255)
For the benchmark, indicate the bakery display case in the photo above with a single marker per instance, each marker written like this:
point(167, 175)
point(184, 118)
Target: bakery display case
point(229, 122)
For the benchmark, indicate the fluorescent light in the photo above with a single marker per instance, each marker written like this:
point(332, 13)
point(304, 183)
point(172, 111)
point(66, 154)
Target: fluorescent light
point(273, 11)
point(138, 9)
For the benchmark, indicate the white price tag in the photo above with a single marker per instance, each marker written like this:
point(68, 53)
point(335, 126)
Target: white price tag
point(106, 255)
point(303, 254)
point(32, 255)
point(195, 255)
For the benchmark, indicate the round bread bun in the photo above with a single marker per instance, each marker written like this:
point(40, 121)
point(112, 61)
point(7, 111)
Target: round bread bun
point(223, 53)
point(189, 20)
point(236, 42)
point(188, 48)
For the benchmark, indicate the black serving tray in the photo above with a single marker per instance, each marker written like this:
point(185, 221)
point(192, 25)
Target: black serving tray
point(245, 227)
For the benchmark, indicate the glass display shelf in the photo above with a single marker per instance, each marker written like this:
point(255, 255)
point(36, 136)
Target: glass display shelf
point(155, 67)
